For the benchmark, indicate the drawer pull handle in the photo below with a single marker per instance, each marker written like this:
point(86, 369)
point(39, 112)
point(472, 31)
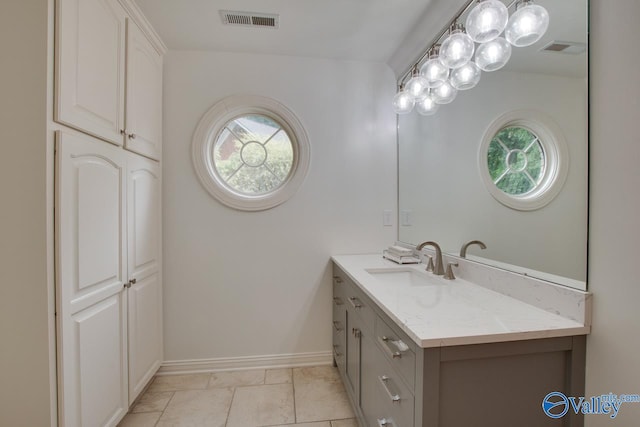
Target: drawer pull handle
point(355, 302)
point(393, 396)
point(384, 422)
point(384, 343)
point(337, 300)
point(356, 332)
point(338, 279)
point(336, 326)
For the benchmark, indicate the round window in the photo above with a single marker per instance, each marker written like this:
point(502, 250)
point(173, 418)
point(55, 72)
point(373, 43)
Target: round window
point(250, 153)
point(523, 160)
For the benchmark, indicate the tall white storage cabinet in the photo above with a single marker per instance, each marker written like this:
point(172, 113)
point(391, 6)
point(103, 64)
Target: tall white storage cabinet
point(92, 275)
point(108, 101)
point(109, 73)
point(144, 294)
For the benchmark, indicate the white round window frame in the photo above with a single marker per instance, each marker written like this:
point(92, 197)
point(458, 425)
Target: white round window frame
point(556, 158)
point(210, 127)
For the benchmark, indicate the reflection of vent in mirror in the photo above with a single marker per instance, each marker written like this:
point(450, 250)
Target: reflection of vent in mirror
point(249, 19)
point(571, 48)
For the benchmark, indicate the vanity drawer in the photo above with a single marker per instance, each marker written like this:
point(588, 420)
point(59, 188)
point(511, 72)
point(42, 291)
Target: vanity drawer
point(354, 298)
point(401, 358)
point(390, 400)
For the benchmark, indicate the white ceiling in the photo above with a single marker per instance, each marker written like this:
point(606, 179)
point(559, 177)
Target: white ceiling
point(390, 31)
point(368, 30)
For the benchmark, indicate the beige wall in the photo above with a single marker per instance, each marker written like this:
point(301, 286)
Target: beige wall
point(613, 349)
point(25, 392)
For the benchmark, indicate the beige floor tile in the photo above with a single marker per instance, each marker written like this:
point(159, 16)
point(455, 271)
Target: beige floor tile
point(351, 422)
point(148, 419)
point(315, 373)
point(201, 408)
point(152, 401)
point(320, 395)
point(262, 405)
point(236, 378)
point(278, 376)
point(179, 382)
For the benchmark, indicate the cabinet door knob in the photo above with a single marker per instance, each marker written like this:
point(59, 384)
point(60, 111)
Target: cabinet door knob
point(133, 281)
point(132, 136)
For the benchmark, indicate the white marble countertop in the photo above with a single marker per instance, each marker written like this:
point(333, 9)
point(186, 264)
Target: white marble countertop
point(454, 312)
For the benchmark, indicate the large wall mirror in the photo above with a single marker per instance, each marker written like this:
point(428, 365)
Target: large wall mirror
point(443, 195)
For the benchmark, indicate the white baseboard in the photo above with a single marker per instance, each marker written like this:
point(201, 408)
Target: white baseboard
point(174, 367)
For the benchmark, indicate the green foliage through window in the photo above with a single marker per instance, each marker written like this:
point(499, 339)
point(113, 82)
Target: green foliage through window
point(516, 160)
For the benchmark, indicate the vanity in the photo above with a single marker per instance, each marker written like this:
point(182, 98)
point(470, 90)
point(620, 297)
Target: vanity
point(415, 350)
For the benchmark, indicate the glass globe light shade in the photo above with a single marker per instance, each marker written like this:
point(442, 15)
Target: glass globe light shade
point(527, 25)
point(426, 106)
point(445, 93)
point(465, 77)
point(493, 55)
point(434, 71)
point(487, 20)
point(416, 86)
point(403, 102)
point(457, 49)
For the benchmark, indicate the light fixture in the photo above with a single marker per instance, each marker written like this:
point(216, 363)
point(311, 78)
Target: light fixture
point(417, 85)
point(465, 77)
point(527, 25)
point(434, 71)
point(403, 102)
point(493, 55)
point(448, 67)
point(457, 49)
point(445, 93)
point(426, 105)
point(487, 20)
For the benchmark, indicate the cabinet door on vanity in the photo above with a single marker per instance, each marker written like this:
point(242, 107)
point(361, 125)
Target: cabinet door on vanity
point(145, 288)
point(91, 302)
point(90, 71)
point(144, 95)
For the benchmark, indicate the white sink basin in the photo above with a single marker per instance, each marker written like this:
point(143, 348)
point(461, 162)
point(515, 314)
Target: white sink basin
point(403, 276)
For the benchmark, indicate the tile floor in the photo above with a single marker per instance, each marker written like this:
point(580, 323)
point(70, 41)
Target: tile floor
point(303, 397)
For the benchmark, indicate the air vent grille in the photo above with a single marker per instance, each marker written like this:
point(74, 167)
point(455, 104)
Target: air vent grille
point(571, 48)
point(249, 19)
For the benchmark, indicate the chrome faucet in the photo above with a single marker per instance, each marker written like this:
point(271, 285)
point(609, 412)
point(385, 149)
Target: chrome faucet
point(437, 268)
point(463, 250)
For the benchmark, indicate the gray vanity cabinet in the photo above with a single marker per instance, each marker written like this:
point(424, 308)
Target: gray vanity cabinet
point(393, 382)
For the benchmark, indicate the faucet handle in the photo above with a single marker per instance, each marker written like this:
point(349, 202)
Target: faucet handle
point(429, 264)
point(449, 273)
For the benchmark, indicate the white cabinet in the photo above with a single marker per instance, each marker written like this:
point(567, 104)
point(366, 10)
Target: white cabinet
point(109, 299)
point(108, 74)
point(90, 72)
point(143, 253)
point(144, 95)
point(91, 274)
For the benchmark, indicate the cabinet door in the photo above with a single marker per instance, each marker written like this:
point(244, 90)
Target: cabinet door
point(354, 334)
point(145, 295)
point(144, 95)
point(90, 54)
point(90, 298)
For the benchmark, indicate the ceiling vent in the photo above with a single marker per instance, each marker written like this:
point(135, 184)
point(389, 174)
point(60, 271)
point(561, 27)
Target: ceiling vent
point(571, 48)
point(249, 19)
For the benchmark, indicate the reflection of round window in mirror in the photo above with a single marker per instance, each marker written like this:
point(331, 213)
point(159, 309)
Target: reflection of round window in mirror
point(523, 160)
point(250, 153)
